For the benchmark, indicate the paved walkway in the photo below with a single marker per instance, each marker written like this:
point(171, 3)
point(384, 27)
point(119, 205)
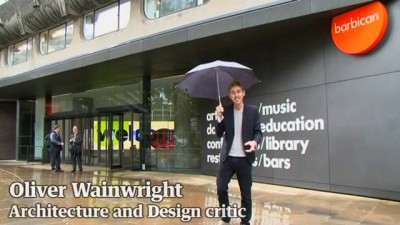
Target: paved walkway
point(50, 194)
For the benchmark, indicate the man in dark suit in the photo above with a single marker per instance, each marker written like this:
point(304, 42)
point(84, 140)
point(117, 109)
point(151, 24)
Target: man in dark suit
point(55, 149)
point(240, 123)
point(76, 149)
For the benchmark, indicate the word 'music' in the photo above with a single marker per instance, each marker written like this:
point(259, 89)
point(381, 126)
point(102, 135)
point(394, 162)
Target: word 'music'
point(355, 23)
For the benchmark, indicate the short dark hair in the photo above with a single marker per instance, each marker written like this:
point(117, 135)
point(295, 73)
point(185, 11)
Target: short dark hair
point(56, 126)
point(234, 84)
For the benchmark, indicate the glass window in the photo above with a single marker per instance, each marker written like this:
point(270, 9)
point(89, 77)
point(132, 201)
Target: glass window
point(20, 52)
point(151, 9)
point(156, 8)
point(176, 135)
point(107, 19)
point(3, 1)
point(124, 13)
point(117, 95)
point(56, 39)
point(88, 26)
point(10, 54)
point(44, 40)
point(70, 32)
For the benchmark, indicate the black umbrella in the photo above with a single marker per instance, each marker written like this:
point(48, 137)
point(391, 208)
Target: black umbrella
point(211, 80)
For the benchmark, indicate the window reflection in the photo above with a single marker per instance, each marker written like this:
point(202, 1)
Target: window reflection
point(44, 38)
point(157, 8)
point(3, 1)
point(70, 30)
point(19, 52)
point(124, 12)
point(107, 19)
point(56, 39)
point(10, 55)
point(88, 26)
point(176, 142)
point(118, 95)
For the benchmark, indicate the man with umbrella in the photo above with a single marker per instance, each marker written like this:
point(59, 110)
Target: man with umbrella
point(241, 124)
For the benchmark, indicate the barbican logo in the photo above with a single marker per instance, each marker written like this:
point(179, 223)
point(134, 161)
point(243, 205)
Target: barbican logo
point(360, 30)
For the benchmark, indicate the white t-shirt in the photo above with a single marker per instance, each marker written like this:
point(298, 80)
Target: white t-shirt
point(237, 149)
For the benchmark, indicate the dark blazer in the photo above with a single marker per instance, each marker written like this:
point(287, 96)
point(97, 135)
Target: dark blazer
point(77, 145)
point(55, 141)
point(251, 129)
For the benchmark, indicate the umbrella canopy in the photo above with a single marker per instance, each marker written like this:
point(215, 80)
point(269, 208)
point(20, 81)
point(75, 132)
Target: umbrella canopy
point(211, 80)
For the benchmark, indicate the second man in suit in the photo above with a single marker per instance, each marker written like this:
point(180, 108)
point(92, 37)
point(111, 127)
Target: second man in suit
point(76, 149)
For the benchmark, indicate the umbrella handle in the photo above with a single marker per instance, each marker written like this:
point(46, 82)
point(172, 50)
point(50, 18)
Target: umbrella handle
point(219, 94)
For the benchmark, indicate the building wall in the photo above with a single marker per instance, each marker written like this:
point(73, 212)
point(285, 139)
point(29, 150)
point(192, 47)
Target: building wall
point(8, 130)
point(364, 131)
point(355, 97)
point(139, 27)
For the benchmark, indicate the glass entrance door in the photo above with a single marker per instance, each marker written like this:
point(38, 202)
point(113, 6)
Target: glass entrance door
point(115, 147)
point(131, 141)
point(101, 138)
point(109, 140)
point(85, 126)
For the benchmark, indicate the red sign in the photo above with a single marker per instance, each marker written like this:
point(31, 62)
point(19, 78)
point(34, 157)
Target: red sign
point(360, 30)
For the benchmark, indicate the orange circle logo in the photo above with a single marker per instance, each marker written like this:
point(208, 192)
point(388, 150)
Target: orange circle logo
point(360, 30)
